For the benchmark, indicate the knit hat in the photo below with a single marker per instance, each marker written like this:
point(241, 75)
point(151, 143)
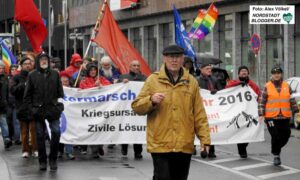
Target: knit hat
point(276, 69)
point(24, 59)
point(243, 67)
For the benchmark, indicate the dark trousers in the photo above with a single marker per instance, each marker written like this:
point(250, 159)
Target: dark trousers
point(171, 166)
point(137, 148)
point(280, 132)
point(54, 142)
point(242, 148)
point(212, 149)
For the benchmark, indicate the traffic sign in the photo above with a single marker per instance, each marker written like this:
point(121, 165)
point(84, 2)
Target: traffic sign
point(255, 43)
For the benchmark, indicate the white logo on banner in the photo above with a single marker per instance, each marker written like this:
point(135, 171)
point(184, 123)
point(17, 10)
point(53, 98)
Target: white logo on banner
point(104, 116)
point(272, 14)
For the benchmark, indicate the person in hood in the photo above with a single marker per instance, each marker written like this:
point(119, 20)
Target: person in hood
point(91, 79)
point(43, 88)
point(28, 133)
point(75, 64)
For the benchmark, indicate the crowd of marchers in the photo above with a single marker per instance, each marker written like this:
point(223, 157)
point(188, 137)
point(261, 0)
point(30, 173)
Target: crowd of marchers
point(30, 92)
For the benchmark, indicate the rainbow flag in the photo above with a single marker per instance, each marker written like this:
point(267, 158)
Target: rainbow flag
point(204, 23)
point(7, 57)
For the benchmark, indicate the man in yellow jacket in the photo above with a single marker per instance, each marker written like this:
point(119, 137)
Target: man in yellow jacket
point(171, 100)
point(276, 106)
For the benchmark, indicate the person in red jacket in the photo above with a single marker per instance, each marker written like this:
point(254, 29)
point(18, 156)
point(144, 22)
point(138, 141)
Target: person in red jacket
point(91, 79)
point(243, 80)
point(75, 64)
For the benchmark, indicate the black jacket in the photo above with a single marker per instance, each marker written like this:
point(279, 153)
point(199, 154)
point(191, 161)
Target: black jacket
point(3, 93)
point(203, 83)
point(17, 89)
point(43, 88)
point(131, 76)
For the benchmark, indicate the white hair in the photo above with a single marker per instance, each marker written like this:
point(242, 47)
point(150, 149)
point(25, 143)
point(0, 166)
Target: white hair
point(105, 59)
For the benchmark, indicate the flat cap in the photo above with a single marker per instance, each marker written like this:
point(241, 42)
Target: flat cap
point(276, 69)
point(172, 49)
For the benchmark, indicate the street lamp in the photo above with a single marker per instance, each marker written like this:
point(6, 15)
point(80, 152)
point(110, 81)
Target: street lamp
point(74, 36)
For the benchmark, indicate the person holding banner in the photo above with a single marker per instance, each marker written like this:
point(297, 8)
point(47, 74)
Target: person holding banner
point(43, 88)
point(91, 80)
point(134, 75)
point(171, 100)
point(243, 79)
point(108, 70)
point(208, 82)
point(276, 106)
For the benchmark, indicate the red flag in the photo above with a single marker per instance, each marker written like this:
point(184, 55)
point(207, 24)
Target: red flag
point(111, 38)
point(30, 19)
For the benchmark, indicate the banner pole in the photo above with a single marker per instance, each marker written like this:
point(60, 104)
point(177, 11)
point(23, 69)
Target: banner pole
point(99, 18)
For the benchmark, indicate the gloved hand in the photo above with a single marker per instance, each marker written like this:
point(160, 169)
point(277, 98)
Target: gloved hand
point(204, 149)
point(213, 92)
point(203, 154)
point(243, 83)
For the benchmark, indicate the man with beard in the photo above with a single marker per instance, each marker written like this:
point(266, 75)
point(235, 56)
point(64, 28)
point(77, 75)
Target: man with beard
point(108, 70)
point(43, 88)
point(243, 80)
point(26, 121)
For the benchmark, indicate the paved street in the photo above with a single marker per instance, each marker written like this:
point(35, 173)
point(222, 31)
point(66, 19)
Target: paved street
point(227, 166)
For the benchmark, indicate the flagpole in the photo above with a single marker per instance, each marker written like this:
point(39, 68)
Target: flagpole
point(99, 18)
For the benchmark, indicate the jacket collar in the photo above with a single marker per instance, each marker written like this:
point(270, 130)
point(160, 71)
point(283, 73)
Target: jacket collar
point(163, 77)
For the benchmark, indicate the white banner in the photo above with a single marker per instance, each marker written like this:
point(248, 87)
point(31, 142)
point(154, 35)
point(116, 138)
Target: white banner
point(104, 116)
point(233, 115)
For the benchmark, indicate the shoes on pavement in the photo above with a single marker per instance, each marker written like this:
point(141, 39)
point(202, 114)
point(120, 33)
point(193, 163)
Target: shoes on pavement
point(25, 155)
point(18, 142)
point(43, 166)
point(212, 155)
point(83, 152)
point(35, 154)
point(244, 156)
point(60, 155)
point(277, 161)
point(101, 151)
point(53, 165)
point(138, 156)
point(111, 146)
point(70, 156)
point(7, 143)
point(124, 151)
